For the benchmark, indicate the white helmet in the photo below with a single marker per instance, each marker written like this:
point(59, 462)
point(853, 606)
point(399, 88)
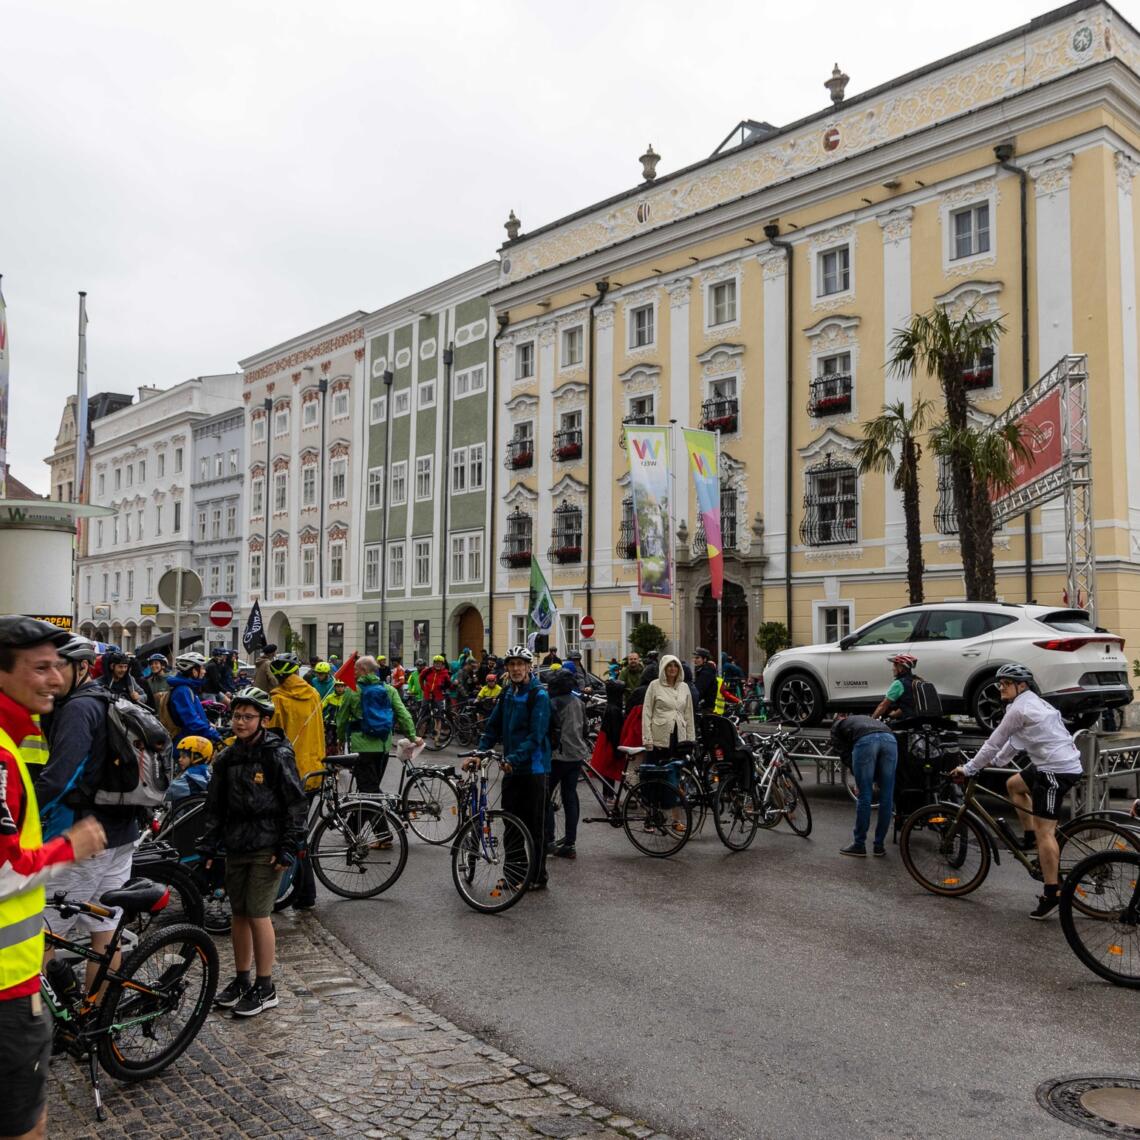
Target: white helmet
point(186, 661)
point(518, 653)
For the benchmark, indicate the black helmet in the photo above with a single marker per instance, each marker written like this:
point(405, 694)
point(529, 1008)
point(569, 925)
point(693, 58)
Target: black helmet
point(1016, 673)
point(284, 664)
point(19, 632)
point(114, 657)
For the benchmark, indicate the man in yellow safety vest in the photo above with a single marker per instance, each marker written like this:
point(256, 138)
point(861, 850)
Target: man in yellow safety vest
point(29, 679)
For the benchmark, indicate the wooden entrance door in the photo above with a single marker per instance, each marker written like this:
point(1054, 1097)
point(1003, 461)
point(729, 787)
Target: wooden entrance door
point(734, 623)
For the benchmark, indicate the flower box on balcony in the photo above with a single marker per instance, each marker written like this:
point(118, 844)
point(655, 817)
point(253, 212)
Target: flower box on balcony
point(978, 377)
point(568, 451)
point(522, 459)
point(829, 405)
point(721, 423)
point(567, 554)
point(518, 558)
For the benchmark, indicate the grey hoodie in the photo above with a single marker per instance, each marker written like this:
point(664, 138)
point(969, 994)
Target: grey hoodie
point(569, 714)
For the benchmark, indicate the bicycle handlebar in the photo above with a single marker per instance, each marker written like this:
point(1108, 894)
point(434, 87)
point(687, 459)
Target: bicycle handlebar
point(59, 901)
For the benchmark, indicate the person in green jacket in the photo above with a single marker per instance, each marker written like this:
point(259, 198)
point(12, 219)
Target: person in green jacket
point(415, 689)
point(371, 700)
point(321, 678)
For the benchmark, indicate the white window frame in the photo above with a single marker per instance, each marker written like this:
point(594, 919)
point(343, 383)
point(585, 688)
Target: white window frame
point(375, 488)
point(525, 361)
point(257, 497)
point(818, 272)
point(308, 485)
point(230, 577)
point(204, 468)
point(233, 461)
point(215, 580)
point(255, 569)
point(467, 548)
point(279, 570)
point(178, 461)
point(372, 567)
point(398, 485)
point(578, 333)
point(215, 523)
point(477, 466)
point(149, 583)
point(569, 631)
point(157, 518)
point(309, 564)
point(142, 470)
point(231, 520)
point(459, 470)
point(819, 618)
point(425, 477)
point(651, 397)
point(130, 584)
point(176, 528)
point(341, 404)
point(378, 409)
point(397, 565)
point(219, 465)
point(420, 580)
point(257, 430)
point(336, 555)
point(280, 492)
point(949, 246)
point(401, 403)
point(711, 290)
point(281, 422)
point(631, 317)
point(518, 629)
point(338, 472)
point(310, 410)
point(201, 526)
point(470, 382)
point(102, 483)
point(425, 395)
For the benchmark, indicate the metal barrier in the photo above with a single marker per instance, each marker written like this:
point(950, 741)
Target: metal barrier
point(1105, 759)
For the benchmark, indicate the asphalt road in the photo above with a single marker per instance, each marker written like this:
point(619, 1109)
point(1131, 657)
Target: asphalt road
point(780, 992)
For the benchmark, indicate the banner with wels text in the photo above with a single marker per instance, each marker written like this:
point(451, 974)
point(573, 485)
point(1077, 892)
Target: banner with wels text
point(3, 397)
point(648, 450)
point(701, 446)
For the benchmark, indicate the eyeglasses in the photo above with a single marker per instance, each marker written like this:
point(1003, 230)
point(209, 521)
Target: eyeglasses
point(245, 716)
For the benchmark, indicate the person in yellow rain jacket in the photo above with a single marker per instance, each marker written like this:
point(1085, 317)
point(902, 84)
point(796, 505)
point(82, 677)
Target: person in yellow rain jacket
point(298, 714)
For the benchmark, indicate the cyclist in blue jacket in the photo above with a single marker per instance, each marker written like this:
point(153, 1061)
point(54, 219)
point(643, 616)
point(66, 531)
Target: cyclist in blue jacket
point(520, 721)
point(185, 703)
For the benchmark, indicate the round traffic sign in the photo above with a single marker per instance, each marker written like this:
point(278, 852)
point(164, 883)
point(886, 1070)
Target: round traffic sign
point(221, 614)
point(168, 588)
point(586, 627)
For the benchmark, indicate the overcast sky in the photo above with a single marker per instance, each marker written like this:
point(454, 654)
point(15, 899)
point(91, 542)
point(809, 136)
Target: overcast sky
point(222, 176)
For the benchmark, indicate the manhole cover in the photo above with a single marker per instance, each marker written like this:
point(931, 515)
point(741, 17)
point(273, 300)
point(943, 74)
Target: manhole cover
point(1109, 1106)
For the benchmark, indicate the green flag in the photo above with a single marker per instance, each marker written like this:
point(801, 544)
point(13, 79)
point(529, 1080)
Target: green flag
point(541, 609)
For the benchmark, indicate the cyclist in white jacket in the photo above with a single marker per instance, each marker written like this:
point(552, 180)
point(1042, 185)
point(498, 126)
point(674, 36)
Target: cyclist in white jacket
point(1034, 726)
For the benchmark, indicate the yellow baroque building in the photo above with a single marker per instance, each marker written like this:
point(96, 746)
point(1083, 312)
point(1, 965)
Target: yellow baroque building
point(756, 292)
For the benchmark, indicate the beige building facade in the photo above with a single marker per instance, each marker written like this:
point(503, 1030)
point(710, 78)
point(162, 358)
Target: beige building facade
point(757, 293)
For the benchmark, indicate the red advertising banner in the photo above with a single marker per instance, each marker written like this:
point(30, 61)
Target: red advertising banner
point(1041, 426)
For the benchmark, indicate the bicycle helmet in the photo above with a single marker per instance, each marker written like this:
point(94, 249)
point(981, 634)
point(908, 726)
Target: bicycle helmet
point(439, 657)
point(1016, 673)
point(284, 664)
point(78, 648)
point(158, 657)
point(420, 662)
point(906, 660)
point(519, 653)
point(114, 657)
point(322, 667)
point(184, 662)
point(19, 632)
point(492, 678)
point(198, 745)
point(252, 695)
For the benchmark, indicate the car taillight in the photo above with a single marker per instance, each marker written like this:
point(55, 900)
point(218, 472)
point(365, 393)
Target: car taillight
point(1071, 644)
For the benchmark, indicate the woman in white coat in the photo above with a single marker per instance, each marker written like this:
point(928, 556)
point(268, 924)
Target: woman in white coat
point(667, 715)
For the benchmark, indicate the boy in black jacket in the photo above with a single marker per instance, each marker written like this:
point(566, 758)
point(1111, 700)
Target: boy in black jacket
point(255, 815)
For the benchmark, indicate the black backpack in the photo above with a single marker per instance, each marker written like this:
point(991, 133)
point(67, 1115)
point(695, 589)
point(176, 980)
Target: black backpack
point(137, 768)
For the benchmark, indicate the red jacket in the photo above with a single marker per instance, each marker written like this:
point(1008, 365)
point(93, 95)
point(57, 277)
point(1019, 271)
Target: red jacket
point(607, 760)
point(434, 681)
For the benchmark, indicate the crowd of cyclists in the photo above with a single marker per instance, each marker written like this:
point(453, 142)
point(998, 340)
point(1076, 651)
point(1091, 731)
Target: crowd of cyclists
point(251, 738)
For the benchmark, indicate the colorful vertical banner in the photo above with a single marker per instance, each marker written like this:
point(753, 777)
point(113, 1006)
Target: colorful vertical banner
point(648, 450)
point(3, 397)
point(706, 479)
point(540, 607)
point(81, 406)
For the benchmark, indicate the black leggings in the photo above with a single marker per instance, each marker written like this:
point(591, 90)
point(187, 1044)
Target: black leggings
point(525, 796)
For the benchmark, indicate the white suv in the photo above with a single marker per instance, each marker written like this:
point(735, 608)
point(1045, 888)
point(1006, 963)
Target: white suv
point(960, 646)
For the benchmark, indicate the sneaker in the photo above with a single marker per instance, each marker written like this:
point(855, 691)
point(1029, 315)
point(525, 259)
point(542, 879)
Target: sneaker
point(232, 994)
point(305, 905)
point(1046, 904)
point(564, 851)
point(878, 850)
point(857, 850)
point(256, 1000)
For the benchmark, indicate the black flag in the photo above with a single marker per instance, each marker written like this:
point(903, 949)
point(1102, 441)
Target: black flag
point(254, 636)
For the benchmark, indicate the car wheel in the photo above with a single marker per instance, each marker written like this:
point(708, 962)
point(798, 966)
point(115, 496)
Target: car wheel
point(1081, 720)
point(985, 705)
point(798, 699)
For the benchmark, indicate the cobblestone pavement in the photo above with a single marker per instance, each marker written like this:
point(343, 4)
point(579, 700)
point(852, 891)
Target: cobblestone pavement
point(345, 1054)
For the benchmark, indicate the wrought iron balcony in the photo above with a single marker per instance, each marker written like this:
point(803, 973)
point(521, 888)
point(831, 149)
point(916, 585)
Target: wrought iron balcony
point(564, 550)
point(567, 445)
point(635, 421)
point(520, 453)
point(517, 545)
point(720, 414)
point(516, 556)
point(627, 535)
point(830, 394)
point(727, 525)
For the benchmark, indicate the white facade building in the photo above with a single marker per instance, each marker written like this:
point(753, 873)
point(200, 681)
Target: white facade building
point(141, 469)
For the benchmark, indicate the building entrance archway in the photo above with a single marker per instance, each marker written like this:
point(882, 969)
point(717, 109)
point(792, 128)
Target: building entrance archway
point(734, 622)
point(469, 633)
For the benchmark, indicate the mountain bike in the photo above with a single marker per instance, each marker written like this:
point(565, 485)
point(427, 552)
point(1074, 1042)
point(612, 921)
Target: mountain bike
point(152, 1006)
point(771, 792)
point(428, 801)
point(1108, 943)
point(948, 848)
point(492, 856)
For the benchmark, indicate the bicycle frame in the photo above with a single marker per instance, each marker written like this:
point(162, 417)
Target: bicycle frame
point(971, 805)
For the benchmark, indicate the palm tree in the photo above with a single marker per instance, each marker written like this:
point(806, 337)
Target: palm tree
point(890, 444)
point(938, 344)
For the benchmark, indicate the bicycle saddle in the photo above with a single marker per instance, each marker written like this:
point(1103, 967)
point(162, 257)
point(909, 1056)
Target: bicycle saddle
point(138, 895)
point(347, 760)
point(440, 769)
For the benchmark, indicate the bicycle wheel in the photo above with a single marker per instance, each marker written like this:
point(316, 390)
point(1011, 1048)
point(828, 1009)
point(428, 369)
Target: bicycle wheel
point(657, 818)
point(1080, 838)
point(144, 1030)
point(359, 852)
point(466, 730)
point(491, 861)
point(186, 903)
point(430, 804)
point(1109, 947)
point(797, 810)
point(695, 792)
point(426, 729)
point(853, 789)
point(736, 813)
point(945, 859)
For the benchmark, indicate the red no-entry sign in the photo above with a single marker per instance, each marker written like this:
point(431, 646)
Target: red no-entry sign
point(586, 626)
point(221, 614)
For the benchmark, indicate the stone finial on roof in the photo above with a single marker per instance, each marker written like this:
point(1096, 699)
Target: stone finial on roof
point(649, 161)
point(512, 225)
point(837, 84)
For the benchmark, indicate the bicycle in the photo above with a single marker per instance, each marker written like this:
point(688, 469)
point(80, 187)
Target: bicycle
point(492, 857)
point(1108, 943)
point(152, 1006)
point(428, 801)
point(779, 785)
point(948, 847)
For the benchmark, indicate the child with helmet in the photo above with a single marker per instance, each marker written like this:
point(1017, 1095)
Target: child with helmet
point(193, 754)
